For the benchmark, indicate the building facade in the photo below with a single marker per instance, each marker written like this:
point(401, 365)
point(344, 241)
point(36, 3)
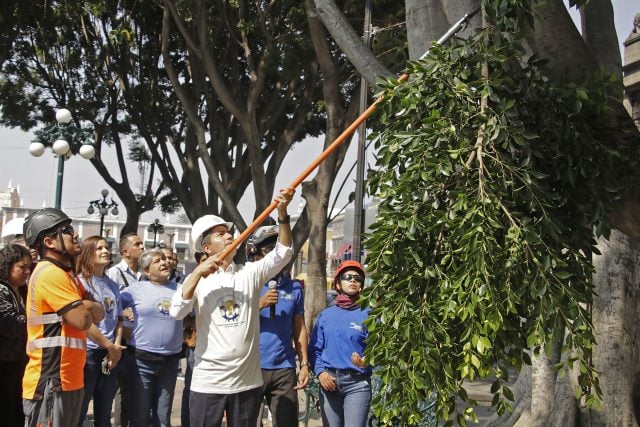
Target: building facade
point(175, 236)
point(631, 71)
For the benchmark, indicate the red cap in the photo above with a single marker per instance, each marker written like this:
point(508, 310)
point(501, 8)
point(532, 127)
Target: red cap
point(344, 266)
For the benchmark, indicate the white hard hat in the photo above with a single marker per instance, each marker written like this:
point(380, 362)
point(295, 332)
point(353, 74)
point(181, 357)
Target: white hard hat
point(13, 228)
point(204, 224)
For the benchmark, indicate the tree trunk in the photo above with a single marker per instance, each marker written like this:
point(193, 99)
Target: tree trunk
point(426, 22)
point(317, 192)
point(315, 288)
point(616, 318)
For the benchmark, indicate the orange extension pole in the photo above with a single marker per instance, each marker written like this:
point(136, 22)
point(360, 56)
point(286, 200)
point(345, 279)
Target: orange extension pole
point(458, 26)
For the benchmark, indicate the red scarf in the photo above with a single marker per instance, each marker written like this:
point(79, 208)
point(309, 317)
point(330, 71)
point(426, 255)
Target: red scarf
point(347, 302)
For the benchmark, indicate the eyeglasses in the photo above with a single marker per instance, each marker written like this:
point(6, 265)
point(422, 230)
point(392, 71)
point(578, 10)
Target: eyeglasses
point(68, 229)
point(349, 277)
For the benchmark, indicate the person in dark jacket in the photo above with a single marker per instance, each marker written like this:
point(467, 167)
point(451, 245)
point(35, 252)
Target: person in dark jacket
point(15, 266)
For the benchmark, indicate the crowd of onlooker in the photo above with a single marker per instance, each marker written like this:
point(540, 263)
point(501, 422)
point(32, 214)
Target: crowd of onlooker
point(76, 329)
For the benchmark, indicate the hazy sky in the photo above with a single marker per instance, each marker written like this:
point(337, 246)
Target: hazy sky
point(36, 177)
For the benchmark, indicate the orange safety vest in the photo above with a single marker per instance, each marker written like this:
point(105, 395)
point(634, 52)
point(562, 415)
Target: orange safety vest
point(57, 351)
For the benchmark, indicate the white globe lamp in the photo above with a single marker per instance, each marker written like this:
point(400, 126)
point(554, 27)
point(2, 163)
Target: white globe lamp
point(36, 149)
point(63, 116)
point(60, 147)
point(87, 151)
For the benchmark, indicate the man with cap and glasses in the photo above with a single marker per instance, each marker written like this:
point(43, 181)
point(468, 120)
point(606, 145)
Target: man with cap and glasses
point(225, 296)
point(59, 311)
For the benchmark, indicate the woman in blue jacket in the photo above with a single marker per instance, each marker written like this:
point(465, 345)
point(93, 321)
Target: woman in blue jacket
point(336, 352)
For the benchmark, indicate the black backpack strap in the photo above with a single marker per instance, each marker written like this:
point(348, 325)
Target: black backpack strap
point(126, 282)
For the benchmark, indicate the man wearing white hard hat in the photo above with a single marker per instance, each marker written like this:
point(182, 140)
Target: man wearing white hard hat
point(12, 233)
point(224, 296)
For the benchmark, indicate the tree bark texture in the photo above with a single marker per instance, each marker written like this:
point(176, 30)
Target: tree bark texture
point(616, 316)
point(347, 39)
point(426, 22)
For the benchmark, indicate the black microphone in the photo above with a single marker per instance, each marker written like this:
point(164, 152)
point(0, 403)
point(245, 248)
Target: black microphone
point(272, 310)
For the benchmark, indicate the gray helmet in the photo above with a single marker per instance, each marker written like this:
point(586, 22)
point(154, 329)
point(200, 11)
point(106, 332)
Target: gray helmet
point(42, 220)
point(263, 236)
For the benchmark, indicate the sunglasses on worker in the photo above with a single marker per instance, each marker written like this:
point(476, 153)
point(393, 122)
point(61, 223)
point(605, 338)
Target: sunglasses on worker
point(67, 229)
point(351, 276)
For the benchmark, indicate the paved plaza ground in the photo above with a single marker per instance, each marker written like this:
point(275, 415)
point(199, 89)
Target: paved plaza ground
point(478, 391)
point(314, 420)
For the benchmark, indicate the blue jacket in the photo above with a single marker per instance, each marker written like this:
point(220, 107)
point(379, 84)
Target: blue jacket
point(336, 334)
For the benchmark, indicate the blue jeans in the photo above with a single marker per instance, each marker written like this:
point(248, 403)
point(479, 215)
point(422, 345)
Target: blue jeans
point(99, 387)
point(348, 405)
point(184, 410)
point(151, 385)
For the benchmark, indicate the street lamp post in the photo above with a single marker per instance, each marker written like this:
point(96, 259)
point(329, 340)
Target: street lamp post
point(103, 208)
point(155, 227)
point(65, 140)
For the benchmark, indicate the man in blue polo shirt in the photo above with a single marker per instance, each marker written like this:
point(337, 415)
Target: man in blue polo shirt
point(281, 324)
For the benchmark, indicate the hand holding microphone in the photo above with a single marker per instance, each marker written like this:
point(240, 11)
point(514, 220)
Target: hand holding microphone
point(272, 310)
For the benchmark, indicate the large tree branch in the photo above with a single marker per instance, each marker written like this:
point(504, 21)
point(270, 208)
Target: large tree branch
point(569, 57)
point(600, 35)
point(555, 37)
point(358, 53)
point(199, 128)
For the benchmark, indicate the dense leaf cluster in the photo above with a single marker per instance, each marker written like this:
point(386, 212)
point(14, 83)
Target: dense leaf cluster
point(491, 186)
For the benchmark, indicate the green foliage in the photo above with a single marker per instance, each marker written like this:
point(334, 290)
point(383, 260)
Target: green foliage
point(482, 245)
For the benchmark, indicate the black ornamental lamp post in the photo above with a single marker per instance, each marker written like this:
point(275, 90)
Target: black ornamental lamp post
point(64, 139)
point(156, 228)
point(103, 208)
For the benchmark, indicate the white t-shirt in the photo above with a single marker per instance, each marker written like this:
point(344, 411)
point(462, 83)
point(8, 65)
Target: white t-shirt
point(227, 354)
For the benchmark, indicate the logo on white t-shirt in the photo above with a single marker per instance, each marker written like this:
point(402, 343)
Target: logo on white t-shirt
point(229, 310)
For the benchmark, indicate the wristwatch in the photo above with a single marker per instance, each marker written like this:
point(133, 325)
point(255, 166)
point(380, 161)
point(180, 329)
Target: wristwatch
point(285, 220)
point(304, 364)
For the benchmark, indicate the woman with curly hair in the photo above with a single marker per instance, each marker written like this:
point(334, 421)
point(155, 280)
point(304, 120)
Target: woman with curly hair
point(103, 346)
point(15, 266)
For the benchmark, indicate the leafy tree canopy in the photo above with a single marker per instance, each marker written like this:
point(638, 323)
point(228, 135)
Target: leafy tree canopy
point(492, 180)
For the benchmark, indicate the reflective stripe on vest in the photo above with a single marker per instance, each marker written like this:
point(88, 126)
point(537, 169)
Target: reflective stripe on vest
point(47, 342)
point(45, 319)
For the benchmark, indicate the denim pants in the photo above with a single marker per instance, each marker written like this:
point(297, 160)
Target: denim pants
point(184, 410)
point(99, 387)
point(151, 386)
point(348, 405)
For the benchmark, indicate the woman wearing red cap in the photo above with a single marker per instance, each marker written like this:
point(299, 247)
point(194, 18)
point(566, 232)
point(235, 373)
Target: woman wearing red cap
point(336, 353)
